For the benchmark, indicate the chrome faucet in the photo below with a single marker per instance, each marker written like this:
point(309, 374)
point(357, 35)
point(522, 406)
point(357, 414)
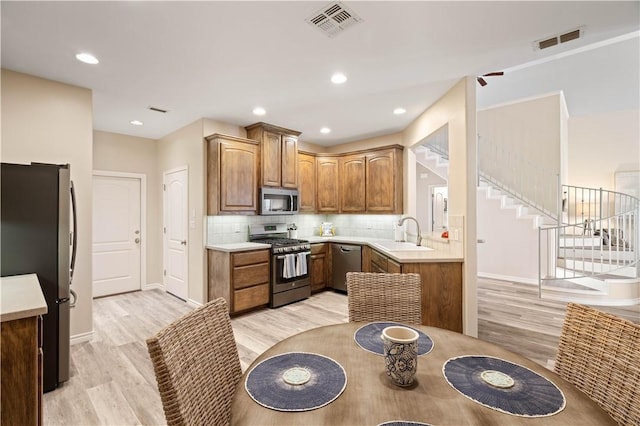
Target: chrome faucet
point(401, 221)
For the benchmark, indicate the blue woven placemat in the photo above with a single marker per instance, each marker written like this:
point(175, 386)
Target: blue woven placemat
point(368, 338)
point(527, 395)
point(266, 385)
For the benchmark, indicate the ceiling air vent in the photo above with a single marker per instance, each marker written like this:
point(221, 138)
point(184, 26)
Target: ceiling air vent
point(334, 18)
point(557, 39)
point(164, 111)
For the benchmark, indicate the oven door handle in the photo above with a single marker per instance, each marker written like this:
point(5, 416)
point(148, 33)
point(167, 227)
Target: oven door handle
point(304, 252)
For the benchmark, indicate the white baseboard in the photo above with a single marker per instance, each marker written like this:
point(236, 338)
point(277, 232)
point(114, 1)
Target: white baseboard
point(82, 337)
point(190, 302)
point(521, 280)
point(193, 303)
point(152, 286)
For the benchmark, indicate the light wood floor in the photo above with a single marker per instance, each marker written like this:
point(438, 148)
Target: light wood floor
point(112, 380)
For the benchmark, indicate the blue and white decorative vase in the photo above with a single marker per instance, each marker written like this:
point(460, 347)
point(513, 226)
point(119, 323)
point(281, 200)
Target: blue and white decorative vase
point(400, 354)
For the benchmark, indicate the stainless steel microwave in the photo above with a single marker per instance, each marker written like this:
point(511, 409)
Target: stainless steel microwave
point(278, 201)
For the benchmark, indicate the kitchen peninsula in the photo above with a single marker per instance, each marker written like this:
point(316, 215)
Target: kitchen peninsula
point(440, 270)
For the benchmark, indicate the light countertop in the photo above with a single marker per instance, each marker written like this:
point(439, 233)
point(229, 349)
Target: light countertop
point(21, 297)
point(401, 254)
point(232, 247)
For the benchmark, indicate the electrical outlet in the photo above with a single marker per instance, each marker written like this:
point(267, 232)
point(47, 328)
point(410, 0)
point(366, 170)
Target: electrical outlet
point(456, 234)
point(236, 227)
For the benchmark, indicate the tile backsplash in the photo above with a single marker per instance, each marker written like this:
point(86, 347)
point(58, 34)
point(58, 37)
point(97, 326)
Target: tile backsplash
point(235, 229)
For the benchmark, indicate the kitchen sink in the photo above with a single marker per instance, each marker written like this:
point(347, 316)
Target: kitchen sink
point(400, 246)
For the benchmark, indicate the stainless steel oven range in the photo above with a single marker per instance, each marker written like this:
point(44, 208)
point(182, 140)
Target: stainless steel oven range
point(290, 265)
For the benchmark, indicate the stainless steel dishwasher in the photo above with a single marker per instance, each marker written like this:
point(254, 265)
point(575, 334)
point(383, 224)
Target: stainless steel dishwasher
point(345, 258)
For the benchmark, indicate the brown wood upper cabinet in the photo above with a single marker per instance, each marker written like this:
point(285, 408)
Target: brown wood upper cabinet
point(279, 154)
point(307, 182)
point(356, 182)
point(232, 175)
point(327, 190)
point(384, 181)
point(352, 183)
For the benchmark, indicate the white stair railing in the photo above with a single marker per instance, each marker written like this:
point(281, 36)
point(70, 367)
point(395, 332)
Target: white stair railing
point(598, 237)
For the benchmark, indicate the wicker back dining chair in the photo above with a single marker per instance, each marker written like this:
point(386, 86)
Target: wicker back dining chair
point(197, 367)
point(600, 354)
point(384, 297)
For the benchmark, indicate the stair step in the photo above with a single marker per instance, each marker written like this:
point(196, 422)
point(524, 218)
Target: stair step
point(587, 290)
point(596, 255)
point(588, 268)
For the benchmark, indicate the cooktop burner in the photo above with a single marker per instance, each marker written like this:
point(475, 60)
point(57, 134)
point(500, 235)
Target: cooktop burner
point(276, 235)
point(279, 241)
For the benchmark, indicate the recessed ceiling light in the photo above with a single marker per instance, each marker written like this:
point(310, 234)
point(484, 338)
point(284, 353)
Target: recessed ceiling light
point(399, 111)
point(338, 78)
point(325, 130)
point(259, 111)
point(136, 122)
point(87, 58)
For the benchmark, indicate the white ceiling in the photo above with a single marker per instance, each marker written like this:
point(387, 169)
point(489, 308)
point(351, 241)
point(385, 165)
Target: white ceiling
point(219, 60)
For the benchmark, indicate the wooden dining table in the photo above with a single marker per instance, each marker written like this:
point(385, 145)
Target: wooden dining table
point(370, 398)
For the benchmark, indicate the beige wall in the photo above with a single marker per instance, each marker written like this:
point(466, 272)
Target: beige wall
point(50, 122)
point(185, 147)
point(523, 145)
point(115, 152)
point(600, 145)
point(392, 139)
point(457, 108)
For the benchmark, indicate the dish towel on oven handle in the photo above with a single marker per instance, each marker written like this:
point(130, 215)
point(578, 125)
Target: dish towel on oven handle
point(289, 266)
point(301, 264)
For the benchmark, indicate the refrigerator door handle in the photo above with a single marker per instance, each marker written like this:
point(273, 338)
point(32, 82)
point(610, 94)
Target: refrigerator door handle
point(74, 241)
point(74, 299)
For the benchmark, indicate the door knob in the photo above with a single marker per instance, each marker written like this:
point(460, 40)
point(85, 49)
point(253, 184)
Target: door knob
point(183, 242)
point(137, 240)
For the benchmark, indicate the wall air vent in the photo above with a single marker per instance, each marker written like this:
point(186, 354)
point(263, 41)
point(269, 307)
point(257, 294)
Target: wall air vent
point(164, 111)
point(333, 19)
point(559, 38)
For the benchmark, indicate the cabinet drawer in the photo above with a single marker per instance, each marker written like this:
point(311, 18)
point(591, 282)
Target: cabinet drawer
point(250, 297)
point(393, 267)
point(250, 275)
point(377, 269)
point(249, 257)
point(317, 248)
point(379, 260)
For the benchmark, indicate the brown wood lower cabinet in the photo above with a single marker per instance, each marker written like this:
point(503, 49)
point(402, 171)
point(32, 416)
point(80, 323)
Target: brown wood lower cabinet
point(441, 286)
point(441, 293)
point(241, 278)
point(319, 266)
point(21, 373)
point(382, 263)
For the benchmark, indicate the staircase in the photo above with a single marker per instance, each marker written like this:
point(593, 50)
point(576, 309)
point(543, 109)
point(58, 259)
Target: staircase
point(571, 258)
point(592, 254)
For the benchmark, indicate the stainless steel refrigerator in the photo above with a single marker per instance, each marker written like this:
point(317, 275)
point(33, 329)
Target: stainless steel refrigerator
point(37, 233)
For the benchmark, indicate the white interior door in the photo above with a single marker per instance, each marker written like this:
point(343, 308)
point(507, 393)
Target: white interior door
point(116, 235)
point(176, 260)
